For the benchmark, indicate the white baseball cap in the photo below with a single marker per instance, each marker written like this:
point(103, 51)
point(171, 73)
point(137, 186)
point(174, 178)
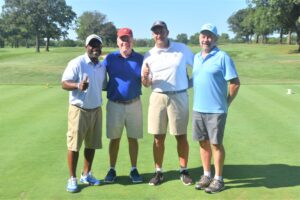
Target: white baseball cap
point(211, 28)
point(93, 36)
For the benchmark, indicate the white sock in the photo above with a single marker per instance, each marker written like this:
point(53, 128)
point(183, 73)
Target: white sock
point(112, 168)
point(207, 173)
point(132, 168)
point(182, 169)
point(219, 178)
point(158, 169)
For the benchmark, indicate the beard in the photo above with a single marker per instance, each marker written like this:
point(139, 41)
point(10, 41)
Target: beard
point(94, 54)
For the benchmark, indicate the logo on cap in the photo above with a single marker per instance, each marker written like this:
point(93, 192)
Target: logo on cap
point(211, 28)
point(125, 31)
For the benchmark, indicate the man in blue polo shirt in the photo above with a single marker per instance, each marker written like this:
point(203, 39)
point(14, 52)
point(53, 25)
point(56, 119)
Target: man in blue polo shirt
point(212, 71)
point(124, 108)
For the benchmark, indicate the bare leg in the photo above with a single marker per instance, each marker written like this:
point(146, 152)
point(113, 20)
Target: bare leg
point(88, 160)
point(219, 158)
point(113, 151)
point(182, 150)
point(72, 162)
point(159, 149)
point(133, 151)
point(205, 154)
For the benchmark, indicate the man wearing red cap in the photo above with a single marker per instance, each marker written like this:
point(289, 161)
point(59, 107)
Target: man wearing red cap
point(124, 108)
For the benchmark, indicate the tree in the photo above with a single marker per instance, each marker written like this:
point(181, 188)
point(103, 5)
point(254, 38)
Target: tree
point(59, 19)
point(39, 17)
point(241, 23)
point(89, 23)
point(95, 23)
point(224, 38)
point(285, 14)
point(182, 38)
point(108, 33)
point(194, 39)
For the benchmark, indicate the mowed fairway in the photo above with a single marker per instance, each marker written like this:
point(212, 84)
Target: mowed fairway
point(262, 134)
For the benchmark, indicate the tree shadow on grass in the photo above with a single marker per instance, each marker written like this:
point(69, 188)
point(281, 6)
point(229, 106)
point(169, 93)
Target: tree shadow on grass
point(294, 52)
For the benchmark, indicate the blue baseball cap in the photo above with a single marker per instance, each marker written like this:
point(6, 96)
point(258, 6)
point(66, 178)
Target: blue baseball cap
point(211, 28)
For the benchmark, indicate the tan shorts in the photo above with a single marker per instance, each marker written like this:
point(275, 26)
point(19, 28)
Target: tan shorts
point(168, 108)
point(84, 125)
point(119, 115)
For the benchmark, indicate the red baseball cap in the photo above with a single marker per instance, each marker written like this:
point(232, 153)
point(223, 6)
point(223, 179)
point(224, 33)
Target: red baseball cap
point(125, 31)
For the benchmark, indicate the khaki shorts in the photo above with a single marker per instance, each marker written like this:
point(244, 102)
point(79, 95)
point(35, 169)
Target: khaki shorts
point(84, 125)
point(168, 108)
point(119, 115)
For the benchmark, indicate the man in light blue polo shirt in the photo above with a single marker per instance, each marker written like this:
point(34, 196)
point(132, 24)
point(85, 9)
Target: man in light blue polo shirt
point(212, 71)
point(124, 107)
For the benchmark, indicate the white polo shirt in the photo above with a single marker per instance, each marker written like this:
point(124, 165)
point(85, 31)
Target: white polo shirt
point(76, 70)
point(168, 67)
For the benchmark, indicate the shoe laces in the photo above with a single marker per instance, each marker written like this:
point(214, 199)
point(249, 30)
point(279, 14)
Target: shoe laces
point(216, 183)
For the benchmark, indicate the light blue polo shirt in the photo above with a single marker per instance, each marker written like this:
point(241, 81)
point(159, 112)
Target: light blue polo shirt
point(76, 70)
point(210, 77)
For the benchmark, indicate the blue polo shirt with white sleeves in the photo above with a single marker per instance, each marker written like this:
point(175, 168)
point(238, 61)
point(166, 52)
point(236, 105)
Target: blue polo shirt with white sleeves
point(124, 75)
point(210, 78)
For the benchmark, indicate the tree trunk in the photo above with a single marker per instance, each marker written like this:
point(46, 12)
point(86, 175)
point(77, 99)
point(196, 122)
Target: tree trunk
point(47, 44)
point(257, 39)
point(281, 35)
point(27, 44)
point(37, 42)
point(298, 40)
point(289, 38)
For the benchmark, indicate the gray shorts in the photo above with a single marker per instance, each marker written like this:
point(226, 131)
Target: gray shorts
point(209, 126)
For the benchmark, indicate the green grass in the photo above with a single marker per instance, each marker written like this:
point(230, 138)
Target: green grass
point(262, 133)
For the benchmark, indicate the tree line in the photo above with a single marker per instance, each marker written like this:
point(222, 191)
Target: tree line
point(37, 22)
point(265, 17)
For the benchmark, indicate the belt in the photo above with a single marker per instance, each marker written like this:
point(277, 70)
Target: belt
point(173, 92)
point(86, 109)
point(128, 101)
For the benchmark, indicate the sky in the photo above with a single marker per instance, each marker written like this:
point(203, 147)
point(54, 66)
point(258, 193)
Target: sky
point(181, 16)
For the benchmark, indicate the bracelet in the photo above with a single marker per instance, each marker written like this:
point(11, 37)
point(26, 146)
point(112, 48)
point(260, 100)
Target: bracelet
point(78, 85)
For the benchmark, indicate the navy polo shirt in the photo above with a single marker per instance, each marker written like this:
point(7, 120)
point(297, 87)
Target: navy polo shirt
point(124, 76)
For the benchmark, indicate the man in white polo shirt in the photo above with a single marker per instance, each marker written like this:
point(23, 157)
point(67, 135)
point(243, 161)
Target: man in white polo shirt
point(84, 78)
point(165, 69)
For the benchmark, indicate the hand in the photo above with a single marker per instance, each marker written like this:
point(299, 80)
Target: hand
point(146, 80)
point(84, 84)
point(146, 71)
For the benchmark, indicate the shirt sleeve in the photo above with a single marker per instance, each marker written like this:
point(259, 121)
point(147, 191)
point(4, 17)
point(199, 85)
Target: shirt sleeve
point(229, 66)
point(71, 72)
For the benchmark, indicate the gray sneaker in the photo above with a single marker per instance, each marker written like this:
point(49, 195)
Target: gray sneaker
point(215, 186)
point(203, 182)
point(157, 178)
point(185, 178)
